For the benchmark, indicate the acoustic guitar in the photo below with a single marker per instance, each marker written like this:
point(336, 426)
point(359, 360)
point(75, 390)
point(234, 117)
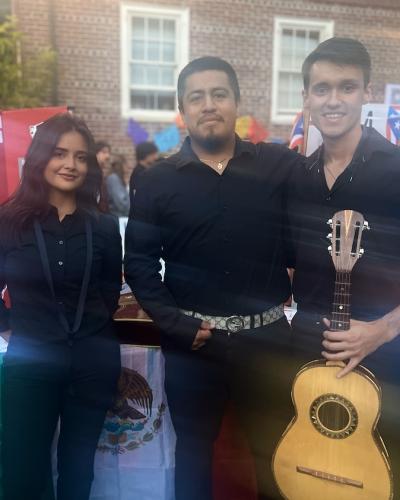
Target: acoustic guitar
point(332, 450)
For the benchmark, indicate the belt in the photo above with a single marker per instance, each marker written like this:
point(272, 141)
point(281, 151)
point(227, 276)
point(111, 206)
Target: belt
point(236, 323)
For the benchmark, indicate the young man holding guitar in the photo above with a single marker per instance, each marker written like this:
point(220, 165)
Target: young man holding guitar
point(355, 169)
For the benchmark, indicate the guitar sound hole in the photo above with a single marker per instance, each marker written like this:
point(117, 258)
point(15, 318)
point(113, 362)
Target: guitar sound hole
point(333, 416)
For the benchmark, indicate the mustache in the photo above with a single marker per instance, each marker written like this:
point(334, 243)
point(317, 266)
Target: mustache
point(206, 118)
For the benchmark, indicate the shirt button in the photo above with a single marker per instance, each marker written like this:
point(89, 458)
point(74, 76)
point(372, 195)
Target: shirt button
point(61, 242)
point(227, 273)
point(60, 262)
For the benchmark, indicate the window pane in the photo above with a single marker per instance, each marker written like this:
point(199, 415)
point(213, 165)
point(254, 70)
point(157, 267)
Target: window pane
point(167, 77)
point(166, 100)
point(137, 74)
point(296, 100)
point(138, 50)
point(152, 75)
point(286, 49)
point(142, 99)
point(154, 29)
point(153, 51)
point(138, 27)
point(289, 94)
point(169, 30)
point(283, 92)
point(147, 99)
point(313, 40)
point(169, 52)
point(300, 49)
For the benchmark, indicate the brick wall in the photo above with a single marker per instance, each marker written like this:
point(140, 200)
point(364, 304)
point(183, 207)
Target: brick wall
point(87, 36)
point(382, 4)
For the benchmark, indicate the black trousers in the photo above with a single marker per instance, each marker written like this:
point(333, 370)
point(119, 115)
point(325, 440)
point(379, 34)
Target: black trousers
point(250, 369)
point(40, 385)
point(383, 363)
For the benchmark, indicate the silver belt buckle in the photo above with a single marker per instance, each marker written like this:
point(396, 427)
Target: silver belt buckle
point(234, 324)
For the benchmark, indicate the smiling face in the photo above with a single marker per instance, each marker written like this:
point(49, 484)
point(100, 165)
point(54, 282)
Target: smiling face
point(334, 98)
point(67, 169)
point(209, 109)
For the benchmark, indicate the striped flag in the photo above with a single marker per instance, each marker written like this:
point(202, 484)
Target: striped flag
point(393, 125)
point(297, 135)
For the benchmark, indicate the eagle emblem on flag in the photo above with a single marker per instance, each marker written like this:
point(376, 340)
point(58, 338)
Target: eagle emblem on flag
point(126, 428)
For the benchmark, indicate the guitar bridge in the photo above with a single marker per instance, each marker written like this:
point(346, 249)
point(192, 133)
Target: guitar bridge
point(329, 477)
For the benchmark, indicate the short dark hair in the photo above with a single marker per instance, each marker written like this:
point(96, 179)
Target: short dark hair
point(341, 51)
point(101, 145)
point(207, 63)
point(145, 149)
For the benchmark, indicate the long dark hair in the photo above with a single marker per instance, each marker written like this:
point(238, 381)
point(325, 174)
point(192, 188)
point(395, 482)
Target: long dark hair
point(30, 200)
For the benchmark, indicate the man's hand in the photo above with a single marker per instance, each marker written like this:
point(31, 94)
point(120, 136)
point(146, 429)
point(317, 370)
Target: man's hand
point(354, 344)
point(6, 335)
point(202, 335)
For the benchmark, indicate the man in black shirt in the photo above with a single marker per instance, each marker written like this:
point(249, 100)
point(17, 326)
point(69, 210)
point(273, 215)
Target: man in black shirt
point(355, 169)
point(214, 213)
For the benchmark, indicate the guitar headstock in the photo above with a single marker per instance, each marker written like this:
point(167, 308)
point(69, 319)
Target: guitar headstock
point(347, 227)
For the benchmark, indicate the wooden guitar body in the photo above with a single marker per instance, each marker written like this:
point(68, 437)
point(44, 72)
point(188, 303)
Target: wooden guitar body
point(331, 450)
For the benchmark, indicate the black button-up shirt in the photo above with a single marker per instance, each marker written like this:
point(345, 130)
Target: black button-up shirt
point(371, 186)
point(220, 236)
point(33, 314)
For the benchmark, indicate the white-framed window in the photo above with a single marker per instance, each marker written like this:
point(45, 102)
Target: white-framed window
point(154, 48)
point(294, 39)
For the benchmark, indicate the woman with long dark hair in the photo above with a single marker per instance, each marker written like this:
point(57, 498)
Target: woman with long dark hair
point(60, 259)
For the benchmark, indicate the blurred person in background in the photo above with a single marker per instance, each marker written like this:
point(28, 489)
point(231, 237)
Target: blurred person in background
point(146, 154)
point(117, 184)
point(103, 155)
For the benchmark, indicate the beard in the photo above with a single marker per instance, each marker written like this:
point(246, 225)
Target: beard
point(211, 142)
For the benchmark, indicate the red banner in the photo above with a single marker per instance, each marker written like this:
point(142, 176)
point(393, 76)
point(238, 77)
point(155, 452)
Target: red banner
point(17, 127)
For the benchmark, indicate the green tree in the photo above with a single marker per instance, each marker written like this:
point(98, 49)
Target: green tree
point(25, 81)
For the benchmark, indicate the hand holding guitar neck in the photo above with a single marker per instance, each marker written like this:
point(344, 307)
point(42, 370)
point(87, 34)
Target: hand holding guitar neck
point(354, 344)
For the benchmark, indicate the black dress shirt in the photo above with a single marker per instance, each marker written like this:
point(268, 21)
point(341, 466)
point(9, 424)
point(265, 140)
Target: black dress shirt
point(133, 182)
point(371, 186)
point(220, 236)
point(33, 314)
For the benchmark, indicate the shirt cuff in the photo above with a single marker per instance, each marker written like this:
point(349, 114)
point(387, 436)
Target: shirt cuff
point(184, 331)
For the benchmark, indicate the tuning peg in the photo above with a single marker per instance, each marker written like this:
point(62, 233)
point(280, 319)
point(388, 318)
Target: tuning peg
point(329, 236)
point(366, 226)
point(330, 249)
point(361, 252)
point(329, 222)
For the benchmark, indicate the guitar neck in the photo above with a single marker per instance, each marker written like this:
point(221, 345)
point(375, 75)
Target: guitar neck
point(341, 301)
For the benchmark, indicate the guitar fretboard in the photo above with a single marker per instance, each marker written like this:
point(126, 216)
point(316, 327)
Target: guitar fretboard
point(341, 302)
